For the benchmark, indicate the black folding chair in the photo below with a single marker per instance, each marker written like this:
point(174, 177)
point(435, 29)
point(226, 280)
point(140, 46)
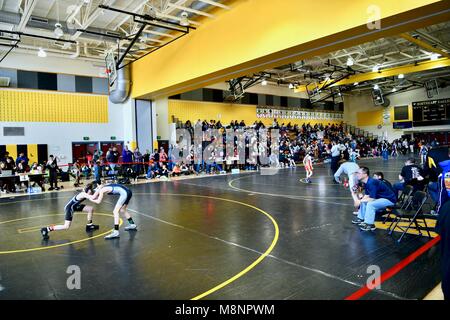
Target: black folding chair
point(411, 213)
point(402, 202)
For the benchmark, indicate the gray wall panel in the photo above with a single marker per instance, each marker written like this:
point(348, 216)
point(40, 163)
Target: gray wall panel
point(144, 125)
point(66, 83)
point(100, 85)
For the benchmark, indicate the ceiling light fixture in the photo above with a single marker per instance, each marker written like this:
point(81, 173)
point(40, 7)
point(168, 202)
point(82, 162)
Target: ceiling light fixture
point(291, 86)
point(59, 32)
point(394, 90)
point(184, 21)
point(356, 83)
point(434, 56)
point(41, 53)
point(376, 68)
point(264, 82)
point(401, 76)
point(376, 87)
point(350, 62)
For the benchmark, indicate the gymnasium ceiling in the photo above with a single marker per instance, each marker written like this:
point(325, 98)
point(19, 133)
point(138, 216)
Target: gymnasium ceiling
point(416, 46)
point(40, 16)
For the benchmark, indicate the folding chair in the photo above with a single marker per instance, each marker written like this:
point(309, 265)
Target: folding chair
point(402, 202)
point(411, 214)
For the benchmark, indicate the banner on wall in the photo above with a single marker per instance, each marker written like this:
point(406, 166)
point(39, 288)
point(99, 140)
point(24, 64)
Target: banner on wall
point(264, 113)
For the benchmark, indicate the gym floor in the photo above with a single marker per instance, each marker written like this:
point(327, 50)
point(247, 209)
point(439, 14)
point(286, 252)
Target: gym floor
point(247, 236)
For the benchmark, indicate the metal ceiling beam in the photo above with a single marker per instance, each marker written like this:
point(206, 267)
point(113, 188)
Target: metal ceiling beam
point(159, 33)
point(424, 45)
point(36, 36)
point(201, 13)
point(91, 20)
point(216, 4)
point(392, 72)
point(28, 9)
point(432, 39)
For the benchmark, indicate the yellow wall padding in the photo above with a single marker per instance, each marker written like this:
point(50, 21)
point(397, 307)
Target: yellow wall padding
point(32, 153)
point(371, 118)
point(33, 106)
point(12, 149)
point(226, 112)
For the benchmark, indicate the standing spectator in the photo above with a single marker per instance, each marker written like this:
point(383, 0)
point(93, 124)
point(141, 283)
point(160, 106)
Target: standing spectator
point(162, 157)
point(97, 171)
point(89, 158)
point(110, 158)
point(423, 153)
point(154, 157)
point(335, 157)
point(411, 146)
point(4, 157)
point(405, 146)
point(22, 158)
point(378, 196)
point(52, 166)
point(127, 159)
point(97, 155)
point(138, 158)
point(146, 158)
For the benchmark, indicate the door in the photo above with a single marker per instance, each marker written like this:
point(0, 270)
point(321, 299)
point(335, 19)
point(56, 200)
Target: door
point(78, 152)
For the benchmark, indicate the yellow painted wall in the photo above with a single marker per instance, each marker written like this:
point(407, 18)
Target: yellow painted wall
point(225, 112)
point(12, 149)
point(370, 118)
point(35, 106)
point(259, 34)
point(32, 153)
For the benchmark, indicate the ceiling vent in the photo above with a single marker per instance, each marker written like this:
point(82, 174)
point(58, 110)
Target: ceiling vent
point(38, 20)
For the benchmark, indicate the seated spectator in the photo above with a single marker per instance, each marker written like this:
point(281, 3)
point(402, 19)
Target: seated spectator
point(377, 196)
point(176, 171)
point(380, 176)
point(410, 174)
point(164, 172)
point(36, 169)
point(443, 228)
point(152, 171)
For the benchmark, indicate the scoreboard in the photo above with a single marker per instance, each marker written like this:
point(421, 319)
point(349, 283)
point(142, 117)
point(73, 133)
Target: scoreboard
point(431, 113)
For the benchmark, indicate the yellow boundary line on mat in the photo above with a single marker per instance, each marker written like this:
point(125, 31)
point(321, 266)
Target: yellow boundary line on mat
point(56, 245)
point(230, 184)
point(251, 266)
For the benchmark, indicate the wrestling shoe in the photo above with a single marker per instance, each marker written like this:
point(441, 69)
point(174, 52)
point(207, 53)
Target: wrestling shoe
point(131, 227)
point(91, 227)
point(357, 221)
point(113, 235)
point(44, 233)
point(367, 227)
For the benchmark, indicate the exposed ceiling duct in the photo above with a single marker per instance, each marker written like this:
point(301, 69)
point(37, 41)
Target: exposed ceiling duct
point(49, 24)
point(122, 89)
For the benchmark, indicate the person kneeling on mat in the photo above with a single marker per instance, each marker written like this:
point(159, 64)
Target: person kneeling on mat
point(121, 205)
point(75, 205)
